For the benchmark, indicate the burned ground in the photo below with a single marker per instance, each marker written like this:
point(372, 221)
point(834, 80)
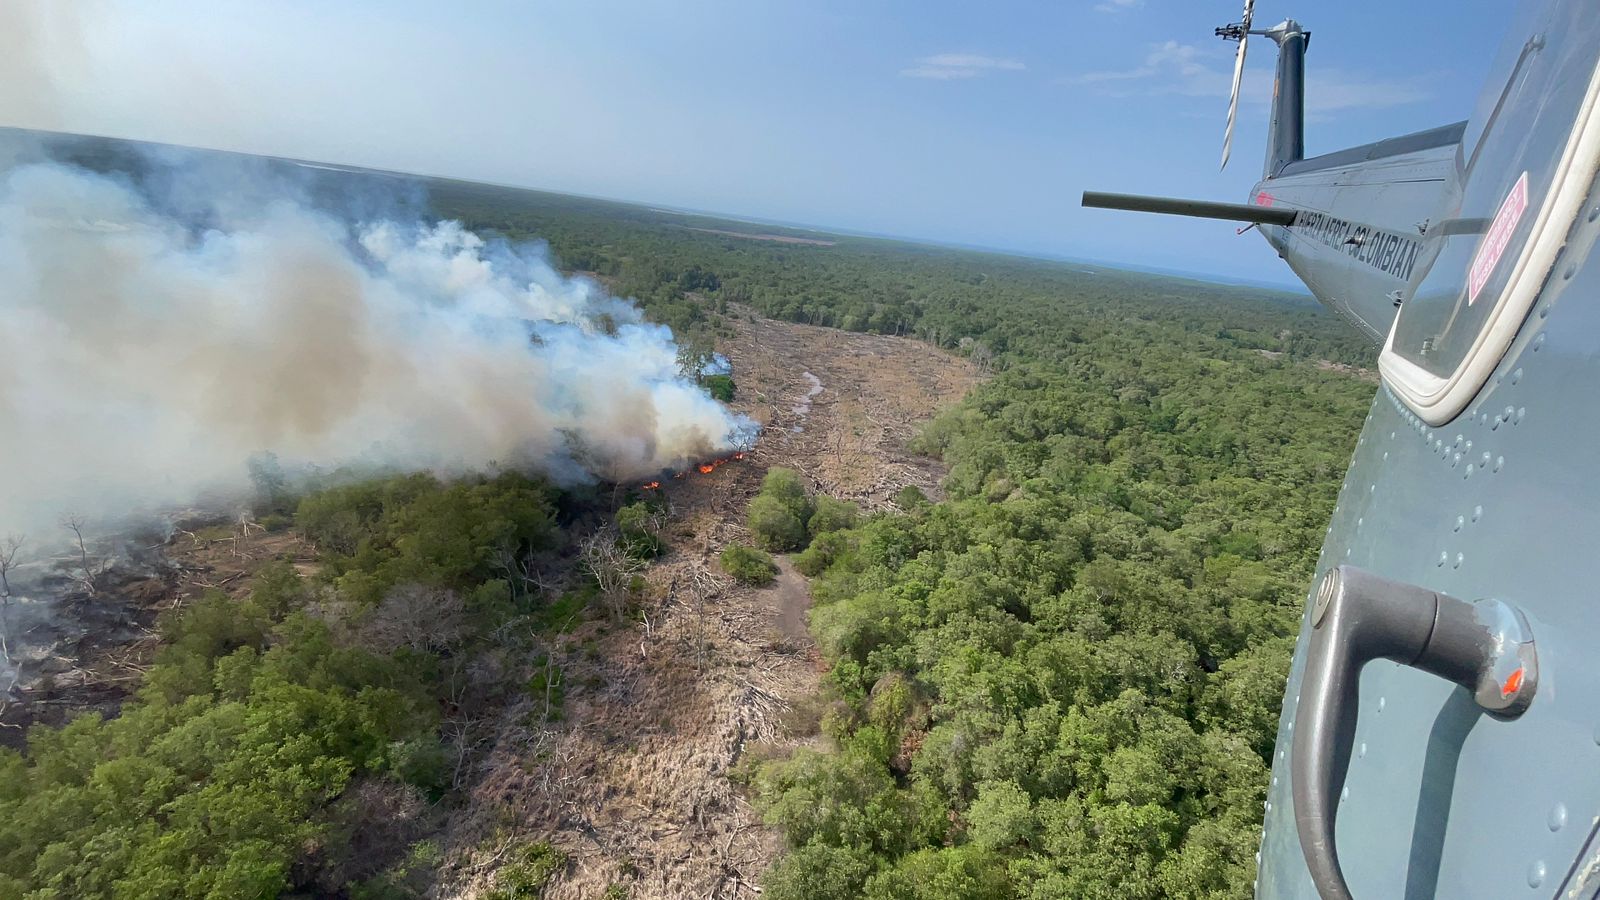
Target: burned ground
point(82, 639)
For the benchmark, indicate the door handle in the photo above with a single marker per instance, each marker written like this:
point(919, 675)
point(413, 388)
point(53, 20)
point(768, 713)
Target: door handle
point(1485, 647)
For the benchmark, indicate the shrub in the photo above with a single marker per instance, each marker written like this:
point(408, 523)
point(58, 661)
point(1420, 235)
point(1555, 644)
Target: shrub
point(811, 562)
point(749, 565)
point(720, 387)
point(910, 497)
point(640, 527)
point(535, 865)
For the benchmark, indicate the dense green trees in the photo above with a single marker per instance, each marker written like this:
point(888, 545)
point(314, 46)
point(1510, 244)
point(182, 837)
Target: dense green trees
point(1064, 681)
point(413, 529)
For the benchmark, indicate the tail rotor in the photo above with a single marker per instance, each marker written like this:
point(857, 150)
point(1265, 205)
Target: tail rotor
point(1241, 33)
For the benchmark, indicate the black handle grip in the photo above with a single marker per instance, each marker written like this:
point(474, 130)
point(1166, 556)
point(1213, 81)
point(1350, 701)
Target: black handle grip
point(1358, 617)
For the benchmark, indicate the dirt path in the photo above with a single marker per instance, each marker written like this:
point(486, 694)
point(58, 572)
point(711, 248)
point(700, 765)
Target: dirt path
point(632, 783)
point(791, 598)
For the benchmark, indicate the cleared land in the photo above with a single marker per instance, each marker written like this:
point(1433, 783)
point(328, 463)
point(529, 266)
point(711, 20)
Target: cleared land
point(632, 782)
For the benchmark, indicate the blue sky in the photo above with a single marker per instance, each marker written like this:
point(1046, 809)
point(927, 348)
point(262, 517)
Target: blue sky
point(960, 122)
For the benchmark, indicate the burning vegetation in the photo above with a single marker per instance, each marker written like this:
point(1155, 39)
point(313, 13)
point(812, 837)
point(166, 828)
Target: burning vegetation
point(705, 468)
point(396, 619)
point(284, 314)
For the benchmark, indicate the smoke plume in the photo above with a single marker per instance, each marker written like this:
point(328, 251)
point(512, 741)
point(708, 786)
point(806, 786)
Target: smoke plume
point(151, 340)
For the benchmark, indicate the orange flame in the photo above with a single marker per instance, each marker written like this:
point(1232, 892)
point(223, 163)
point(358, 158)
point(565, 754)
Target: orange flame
point(705, 468)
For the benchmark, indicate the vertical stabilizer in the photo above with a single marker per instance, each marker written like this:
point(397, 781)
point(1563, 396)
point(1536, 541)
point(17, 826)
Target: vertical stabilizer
point(1286, 139)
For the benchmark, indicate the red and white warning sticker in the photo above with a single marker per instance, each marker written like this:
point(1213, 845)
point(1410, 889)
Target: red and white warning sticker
point(1494, 243)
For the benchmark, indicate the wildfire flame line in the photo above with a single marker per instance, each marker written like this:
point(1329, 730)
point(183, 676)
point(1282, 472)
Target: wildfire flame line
point(705, 468)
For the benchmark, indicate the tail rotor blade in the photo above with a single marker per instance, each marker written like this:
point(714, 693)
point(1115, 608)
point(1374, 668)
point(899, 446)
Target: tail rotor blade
point(1233, 100)
point(1238, 77)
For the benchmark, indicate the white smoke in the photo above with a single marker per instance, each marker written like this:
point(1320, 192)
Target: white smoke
point(144, 357)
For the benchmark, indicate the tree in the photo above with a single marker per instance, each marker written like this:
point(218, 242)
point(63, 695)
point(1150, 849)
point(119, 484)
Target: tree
point(819, 872)
point(778, 515)
point(910, 497)
point(982, 357)
point(825, 549)
point(775, 526)
point(271, 485)
point(832, 515)
point(87, 571)
point(416, 617)
point(694, 353)
point(1002, 817)
point(946, 873)
point(9, 546)
point(787, 488)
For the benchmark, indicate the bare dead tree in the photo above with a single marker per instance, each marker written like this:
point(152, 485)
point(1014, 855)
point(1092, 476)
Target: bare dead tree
point(699, 589)
point(982, 357)
point(241, 532)
point(87, 576)
point(611, 566)
point(466, 736)
point(697, 603)
point(538, 577)
point(527, 573)
point(8, 560)
point(11, 669)
point(417, 617)
point(549, 682)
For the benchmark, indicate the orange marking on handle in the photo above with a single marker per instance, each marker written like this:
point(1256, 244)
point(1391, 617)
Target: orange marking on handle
point(1512, 685)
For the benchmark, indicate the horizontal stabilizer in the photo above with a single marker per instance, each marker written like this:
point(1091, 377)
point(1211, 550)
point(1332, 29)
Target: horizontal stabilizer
point(1203, 209)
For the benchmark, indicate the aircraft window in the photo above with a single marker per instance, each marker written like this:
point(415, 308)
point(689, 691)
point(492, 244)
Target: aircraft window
point(1529, 157)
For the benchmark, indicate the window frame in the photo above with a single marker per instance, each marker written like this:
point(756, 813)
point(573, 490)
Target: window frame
point(1439, 399)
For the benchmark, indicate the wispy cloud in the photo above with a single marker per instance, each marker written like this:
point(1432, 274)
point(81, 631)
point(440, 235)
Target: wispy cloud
point(947, 66)
point(1115, 6)
point(1190, 71)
